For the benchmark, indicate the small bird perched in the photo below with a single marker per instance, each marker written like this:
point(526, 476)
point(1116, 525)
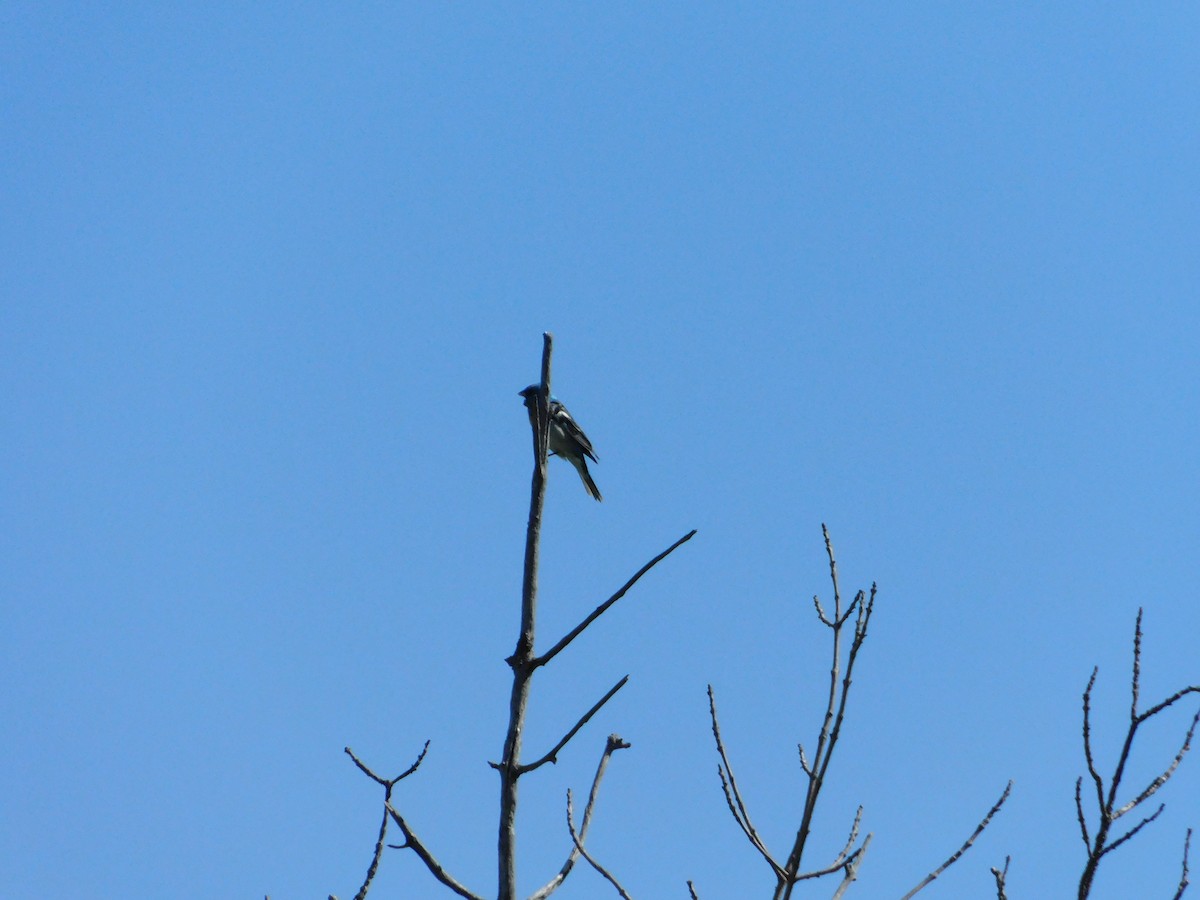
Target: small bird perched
point(566, 437)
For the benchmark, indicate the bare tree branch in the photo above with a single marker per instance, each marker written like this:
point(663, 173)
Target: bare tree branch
point(1087, 737)
point(835, 711)
point(613, 744)
point(965, 847)
point(1183, 878)
point(521, 661)
point(388, 781)
point(1087, 843)
point(435, 868)
point(388, 784)
point(1136, 828)
point(1178, 695)
point(852, 866)
point(1100, 844)
point(1167, 773)
point(844, 853)
point(603, 607)
point(591, 861)
point(552, 756)
point(1001, 876)
point(733, 796)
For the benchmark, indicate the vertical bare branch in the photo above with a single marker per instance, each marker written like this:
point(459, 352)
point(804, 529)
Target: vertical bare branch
point(835, 709)
point(1001, 876)
point(521, 661)
point(1183, 878)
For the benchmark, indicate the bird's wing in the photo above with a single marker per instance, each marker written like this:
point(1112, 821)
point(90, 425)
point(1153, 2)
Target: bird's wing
point(571, 429)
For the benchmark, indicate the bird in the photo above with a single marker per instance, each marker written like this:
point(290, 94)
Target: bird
point(567, 439)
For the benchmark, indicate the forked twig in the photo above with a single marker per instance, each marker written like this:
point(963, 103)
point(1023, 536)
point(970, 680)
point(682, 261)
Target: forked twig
point(787, 875)
point(733, 795)
point(1001, 876)
point(1099, 844)
point(613, 744)
point(591, 860)
point(388, 784)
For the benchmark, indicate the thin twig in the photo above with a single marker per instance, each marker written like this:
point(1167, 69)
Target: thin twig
point(1183, 878)
point(1166, 775)
point(385, 781)
point(1001, 876)
point(1178, 695)
point(733, 796)
point(1100, 845)
point(852, 867)
point(435, 868)
point(1087, 737)
point(1083, 829)
point(844, 854)
point(603, 607)
point(835, 713)
point(1134, 830)
point(388, 784)
point(552, 756)
point(591, 861)
point(966, 845)
point(613, 744)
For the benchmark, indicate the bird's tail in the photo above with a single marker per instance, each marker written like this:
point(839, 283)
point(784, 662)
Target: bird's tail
point(586, 476)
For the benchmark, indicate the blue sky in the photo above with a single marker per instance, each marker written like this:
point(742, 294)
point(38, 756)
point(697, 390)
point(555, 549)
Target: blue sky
point(273, 275)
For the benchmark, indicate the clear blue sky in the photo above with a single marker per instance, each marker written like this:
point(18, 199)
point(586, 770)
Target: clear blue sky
point(272, 276)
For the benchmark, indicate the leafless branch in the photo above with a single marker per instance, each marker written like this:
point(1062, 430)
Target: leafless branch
point(521, 660)
point(603, 607)
point(1087, 737)
point(613, 744)
point(552, 756)
point(591, 861)
point(388, 781)
point(1167, 773)
point(1183, 878)
point(388, 784)
point(1134, 830)
point(965, 847)
point(844, 854)
point(733, 796)
point(804, 761)
point(1100, 844)
point(435, 868)
point(862, 607)
point(851, 870)
point(1001, 875)
point(1083, 829)
point(1178, 695)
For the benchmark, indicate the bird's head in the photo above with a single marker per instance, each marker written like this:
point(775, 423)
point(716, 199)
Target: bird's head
point(530, 394)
